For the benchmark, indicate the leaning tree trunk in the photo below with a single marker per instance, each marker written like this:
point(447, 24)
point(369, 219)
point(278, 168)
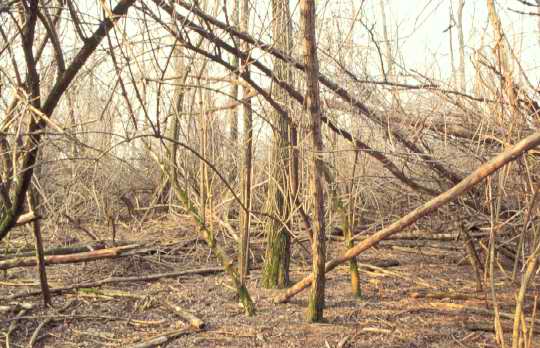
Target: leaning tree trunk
point(316, 299)
point(276, 265)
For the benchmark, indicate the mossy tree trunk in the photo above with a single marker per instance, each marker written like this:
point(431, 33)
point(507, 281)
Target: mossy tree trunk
point(349, 243)
point(277, 260)
point(208, 235)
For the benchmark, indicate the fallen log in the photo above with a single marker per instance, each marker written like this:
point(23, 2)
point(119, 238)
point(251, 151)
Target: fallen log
point(463, 186)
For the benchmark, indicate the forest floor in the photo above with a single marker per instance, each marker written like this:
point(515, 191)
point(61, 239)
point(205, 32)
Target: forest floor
point(428, 300)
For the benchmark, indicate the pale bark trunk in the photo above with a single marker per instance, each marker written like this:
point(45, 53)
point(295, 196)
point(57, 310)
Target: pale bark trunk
point(389, 74)
point(451, 43)
point(538, 21)
point(461, 40)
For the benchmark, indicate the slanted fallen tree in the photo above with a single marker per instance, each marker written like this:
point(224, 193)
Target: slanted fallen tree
point(463, 186)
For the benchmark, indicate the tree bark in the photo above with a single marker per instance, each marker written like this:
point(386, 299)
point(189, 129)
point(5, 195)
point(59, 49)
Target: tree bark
point(173, 129)
point(313, 105)
point(248, 150)
point(40, 255)
point(277, 260)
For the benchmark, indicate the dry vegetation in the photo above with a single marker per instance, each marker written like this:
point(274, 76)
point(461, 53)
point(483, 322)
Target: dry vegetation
point(171, 173)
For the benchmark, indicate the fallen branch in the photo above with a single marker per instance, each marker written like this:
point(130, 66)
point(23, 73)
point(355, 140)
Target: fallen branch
point(26, 218)
point(93, 292)
point(72, 249)
point(114, 280)
point(13, 325)
point(439, 295)
point(381, 271)
point(164, 338)
point(463, 186)
point(377, 265)
point(421, 250)
point(70, 258)
point(16, 307)
point(35, 338)
point(466, 308)
point(485, 326)
point(186, 316)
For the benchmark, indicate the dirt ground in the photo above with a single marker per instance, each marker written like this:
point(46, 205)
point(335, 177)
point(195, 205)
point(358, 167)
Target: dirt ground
point(396, 309)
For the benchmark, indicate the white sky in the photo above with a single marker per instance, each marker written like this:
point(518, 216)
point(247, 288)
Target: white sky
point(424, 44)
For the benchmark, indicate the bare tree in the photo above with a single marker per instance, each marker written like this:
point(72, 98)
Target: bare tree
point(40, 112)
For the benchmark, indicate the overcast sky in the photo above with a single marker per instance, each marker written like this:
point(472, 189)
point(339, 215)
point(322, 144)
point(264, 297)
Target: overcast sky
point(421, 26)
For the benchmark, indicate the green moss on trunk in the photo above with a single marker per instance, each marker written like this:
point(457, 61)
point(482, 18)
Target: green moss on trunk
point(349, 243)
point(276, 263)
point(208, 234)
point(246, 301)
point(355, 279)
point(315, 308)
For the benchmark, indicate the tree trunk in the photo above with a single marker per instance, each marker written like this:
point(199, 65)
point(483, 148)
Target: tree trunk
point(538, 21)
point(389, 73)
point(313, 105)
point(33, 203)
point(451, 23)
point(349, 243)
point(276, 266)
point(248, 145)
point(173, 129)
point(233, 115)
point(462, 83)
